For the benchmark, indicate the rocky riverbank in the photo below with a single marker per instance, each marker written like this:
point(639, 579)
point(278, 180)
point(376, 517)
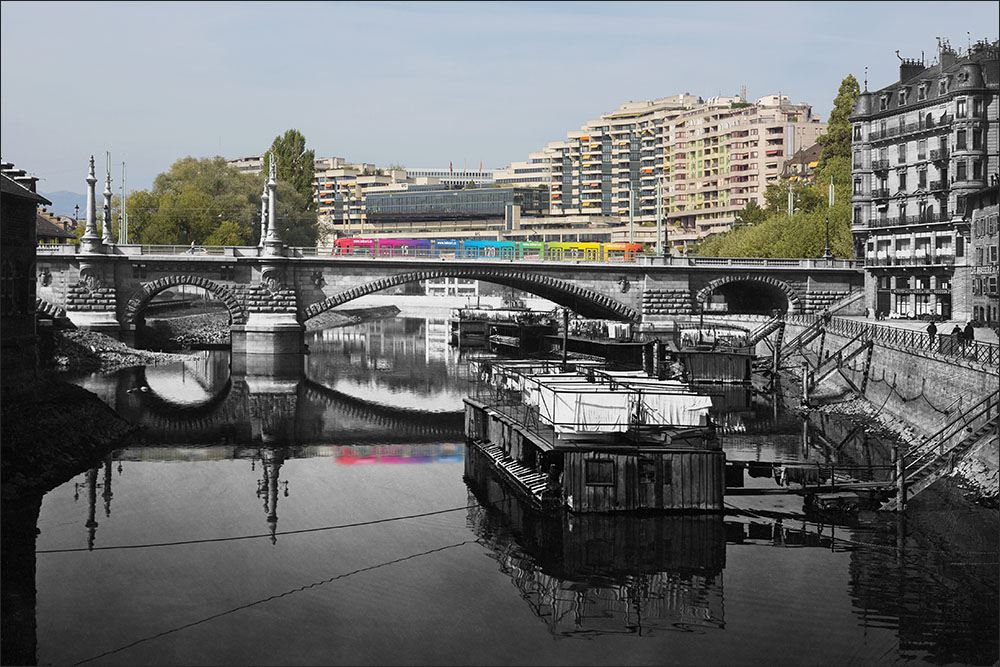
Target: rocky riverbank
point(51, 430)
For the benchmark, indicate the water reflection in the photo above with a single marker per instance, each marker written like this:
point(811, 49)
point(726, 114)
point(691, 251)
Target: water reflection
point(253, 486)
point(593, 574)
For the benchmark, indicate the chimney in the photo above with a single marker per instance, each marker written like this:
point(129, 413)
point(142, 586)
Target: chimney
point(909, 68)
point(947, 56)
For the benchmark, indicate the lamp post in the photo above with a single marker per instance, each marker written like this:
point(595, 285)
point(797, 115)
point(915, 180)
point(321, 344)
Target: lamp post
point(826, 249)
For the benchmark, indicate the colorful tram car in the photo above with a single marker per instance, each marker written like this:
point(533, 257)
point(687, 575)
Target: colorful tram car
point(488, 249)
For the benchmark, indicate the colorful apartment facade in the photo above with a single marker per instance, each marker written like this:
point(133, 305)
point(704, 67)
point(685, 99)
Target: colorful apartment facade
point(695, 162)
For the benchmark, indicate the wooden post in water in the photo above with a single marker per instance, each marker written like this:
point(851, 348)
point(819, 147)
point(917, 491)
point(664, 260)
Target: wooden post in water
point(900, 478)
point(565, 337)
point(805, 383)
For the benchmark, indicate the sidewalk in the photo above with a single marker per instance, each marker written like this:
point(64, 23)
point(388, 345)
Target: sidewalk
point(983, 334)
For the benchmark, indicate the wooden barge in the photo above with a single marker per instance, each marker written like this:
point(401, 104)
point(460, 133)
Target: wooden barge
point(590, 440)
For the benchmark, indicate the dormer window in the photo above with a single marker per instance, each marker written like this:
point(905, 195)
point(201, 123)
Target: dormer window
point(902, 96)
point(883, 103)
point(943, 86)
point(922, 92)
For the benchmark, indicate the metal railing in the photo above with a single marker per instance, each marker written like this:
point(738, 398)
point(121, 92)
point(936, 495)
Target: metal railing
point(942, 344)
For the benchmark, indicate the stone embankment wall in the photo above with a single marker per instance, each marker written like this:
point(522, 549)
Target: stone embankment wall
point(924, 391)
point(918, 387)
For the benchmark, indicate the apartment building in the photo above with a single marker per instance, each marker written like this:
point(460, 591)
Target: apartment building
point(698, 162)
point(984, 252)
point(453, 178)
point(250, 164)
point(921, 147)
point(535, 171)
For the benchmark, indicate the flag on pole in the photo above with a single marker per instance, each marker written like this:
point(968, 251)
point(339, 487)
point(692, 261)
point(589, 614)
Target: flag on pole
point(480, 166)
point(451, 168)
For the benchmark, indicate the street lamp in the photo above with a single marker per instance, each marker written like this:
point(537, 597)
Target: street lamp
point(826, 249)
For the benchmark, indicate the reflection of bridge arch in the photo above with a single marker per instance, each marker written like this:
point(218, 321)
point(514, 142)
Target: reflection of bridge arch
point(702, 296)
point(141, 298)
point(586, 302)
point(443, 424)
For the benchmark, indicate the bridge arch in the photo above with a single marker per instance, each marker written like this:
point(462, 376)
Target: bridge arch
point(772, 287)
point(585, 301)
point(141, 297)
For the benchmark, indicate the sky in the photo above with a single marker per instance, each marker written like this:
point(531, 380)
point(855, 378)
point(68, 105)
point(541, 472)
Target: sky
point(417, 84)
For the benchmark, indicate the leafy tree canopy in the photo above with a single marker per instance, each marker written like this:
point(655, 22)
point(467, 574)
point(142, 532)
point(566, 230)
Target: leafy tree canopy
point(837, 140)
point(293, 163)
point(211, 202)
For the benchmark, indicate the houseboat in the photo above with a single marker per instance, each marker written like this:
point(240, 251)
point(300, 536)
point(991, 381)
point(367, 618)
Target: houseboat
point(577, 436)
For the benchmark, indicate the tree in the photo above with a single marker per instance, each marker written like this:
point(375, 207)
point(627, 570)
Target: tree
point(805, 196)
point(192, 201)
point(293, 163)
point(470, 185)
point(751, 214)
point(837, 140)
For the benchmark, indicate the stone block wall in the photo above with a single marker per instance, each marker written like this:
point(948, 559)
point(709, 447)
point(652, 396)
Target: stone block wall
point(660, 302)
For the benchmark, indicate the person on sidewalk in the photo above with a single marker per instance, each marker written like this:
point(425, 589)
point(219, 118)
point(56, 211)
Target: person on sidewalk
point(931, 332)
point(970, 332)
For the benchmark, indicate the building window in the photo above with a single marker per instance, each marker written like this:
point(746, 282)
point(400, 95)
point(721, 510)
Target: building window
point(960, 170)
point(960, 108)
point(922, 179)
point(922, 92)
point(902, 181)
point(977, 108)
point(960, 140)
point(902, 96)
point(943, 87)
point(857, 186)
point(977, 139)
point(977, 170)
point(599, 472)
point(902, 153)
point(857, 132)
point(883, 103)
point(857, 215)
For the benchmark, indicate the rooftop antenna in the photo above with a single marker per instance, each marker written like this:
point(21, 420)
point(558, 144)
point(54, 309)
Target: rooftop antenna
point(970, 41)
point(866, 78)
point(899, 56)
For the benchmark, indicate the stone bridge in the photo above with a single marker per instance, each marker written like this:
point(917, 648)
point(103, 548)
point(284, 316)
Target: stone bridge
point(270, 293)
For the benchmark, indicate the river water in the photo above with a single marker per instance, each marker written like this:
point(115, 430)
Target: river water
point(321, 517)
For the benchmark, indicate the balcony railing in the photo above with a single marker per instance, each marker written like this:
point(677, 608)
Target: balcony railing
point(880, 165)
point(918, 219)
point(937, 185)
point(880, 193)
point(939, 154)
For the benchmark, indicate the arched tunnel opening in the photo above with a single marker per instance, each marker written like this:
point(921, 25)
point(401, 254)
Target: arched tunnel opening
point(751, 297)
point(183, 317)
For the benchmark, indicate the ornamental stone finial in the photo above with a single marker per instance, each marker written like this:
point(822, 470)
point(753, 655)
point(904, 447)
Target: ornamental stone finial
point(273, 245)
point(91, 241)
point(108, 239)
point(263, 216)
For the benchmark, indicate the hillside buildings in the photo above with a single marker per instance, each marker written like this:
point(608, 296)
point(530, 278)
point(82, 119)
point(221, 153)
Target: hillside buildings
point(697, 162)
point(923, 146)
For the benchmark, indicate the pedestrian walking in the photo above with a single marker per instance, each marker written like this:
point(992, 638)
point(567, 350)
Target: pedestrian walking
point(970, 332)
point(931, 332)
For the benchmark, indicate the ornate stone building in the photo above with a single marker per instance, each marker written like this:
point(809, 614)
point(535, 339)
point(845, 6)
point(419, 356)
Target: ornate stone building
point(921, 147)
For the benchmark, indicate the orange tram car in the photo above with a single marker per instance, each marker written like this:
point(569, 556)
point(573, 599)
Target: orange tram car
point(478, 249)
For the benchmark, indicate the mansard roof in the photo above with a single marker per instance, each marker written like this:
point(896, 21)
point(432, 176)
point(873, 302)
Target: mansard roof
point(976, 69)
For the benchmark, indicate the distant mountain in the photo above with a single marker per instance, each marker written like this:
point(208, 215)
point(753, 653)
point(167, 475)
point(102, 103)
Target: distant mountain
point(63, 202)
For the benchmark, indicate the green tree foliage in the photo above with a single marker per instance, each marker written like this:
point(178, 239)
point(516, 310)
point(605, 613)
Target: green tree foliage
point(296, 225)
point(294, 164)
point(837, 140)
point(471, 185)
point(751, 214)
point(192, 201)
point(802, 235)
